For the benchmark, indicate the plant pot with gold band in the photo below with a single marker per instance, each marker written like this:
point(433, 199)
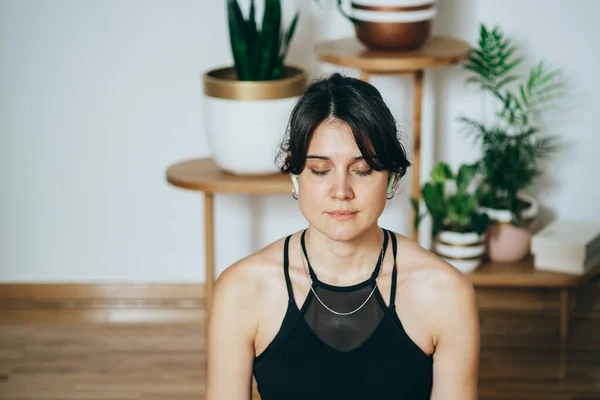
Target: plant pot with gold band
point(246, 120)
point(391, 24)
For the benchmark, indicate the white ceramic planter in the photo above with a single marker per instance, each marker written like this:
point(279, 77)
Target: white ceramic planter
point(244, 135)
point(499, 215)
point(245, 122)
point(464, 251)
point(507, 243)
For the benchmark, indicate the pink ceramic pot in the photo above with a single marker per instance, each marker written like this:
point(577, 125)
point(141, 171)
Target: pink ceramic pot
point(507, 243)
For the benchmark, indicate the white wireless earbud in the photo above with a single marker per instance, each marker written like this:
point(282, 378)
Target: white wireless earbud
point(295, 183)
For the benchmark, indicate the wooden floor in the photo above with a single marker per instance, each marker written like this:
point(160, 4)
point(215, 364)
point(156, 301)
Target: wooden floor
point(522, 358)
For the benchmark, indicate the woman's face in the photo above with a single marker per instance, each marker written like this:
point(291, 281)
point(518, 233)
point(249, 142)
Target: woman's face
point(339, 194)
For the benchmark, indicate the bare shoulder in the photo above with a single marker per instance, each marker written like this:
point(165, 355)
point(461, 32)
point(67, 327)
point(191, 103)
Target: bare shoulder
point(233, 324)
point(445, 294)
point(244, 282)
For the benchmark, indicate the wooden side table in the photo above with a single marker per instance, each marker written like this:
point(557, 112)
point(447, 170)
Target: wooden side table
point(203, 175)
point(437, 52)
point(523, 275)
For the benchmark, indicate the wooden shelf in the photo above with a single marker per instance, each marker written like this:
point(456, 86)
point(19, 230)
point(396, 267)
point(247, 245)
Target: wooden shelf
point(203, 174)
point(523, 274)
point(437, 52)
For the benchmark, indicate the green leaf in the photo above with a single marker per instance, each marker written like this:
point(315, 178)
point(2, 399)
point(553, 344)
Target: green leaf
point(473, 128)
point(418, 217)
point(252, 37)
point(237, 37)
point(466, 173)
point(341, 9)
point(268, 39)
point(509, 67)
point(441, 173)
point(524, 97)
point(549, 76)
point(286, 43)
point(433, 196)
point(505, 81)
point(480, 222)
point(550, 89)
point(415, 204)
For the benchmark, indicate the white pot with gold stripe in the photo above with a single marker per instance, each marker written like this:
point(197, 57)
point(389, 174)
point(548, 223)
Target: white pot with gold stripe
point(464, 251)
point(245, 121)
point(393, 24)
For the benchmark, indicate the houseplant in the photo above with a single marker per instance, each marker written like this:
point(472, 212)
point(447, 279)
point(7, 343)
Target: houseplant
point(245, 106)
point(513, 145)
point(458, 226)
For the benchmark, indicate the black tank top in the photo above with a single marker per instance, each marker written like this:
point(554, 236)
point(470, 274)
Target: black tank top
point(318, 354)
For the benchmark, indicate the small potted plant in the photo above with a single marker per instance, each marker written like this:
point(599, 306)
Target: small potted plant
point(513, 145)
point(458, 225)
point(245, 106)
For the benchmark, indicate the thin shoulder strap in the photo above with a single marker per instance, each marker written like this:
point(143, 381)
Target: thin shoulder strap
point(394, 271)
point(286, 268)
point(383, 250)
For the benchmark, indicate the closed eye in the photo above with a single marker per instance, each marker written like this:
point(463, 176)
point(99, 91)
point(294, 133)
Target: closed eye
point(365, 173)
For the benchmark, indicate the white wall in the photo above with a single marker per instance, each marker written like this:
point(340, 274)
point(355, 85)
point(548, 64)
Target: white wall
point(98, 98)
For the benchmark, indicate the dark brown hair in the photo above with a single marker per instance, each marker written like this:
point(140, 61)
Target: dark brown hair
point(354, 102)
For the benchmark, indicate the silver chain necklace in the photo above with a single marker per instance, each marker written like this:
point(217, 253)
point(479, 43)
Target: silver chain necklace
point(365, 302)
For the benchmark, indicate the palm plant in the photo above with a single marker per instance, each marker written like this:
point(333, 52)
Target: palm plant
point(512, 146)
point(259, 52)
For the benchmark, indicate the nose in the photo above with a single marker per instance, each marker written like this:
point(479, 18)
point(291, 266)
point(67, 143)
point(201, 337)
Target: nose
point(341, 188)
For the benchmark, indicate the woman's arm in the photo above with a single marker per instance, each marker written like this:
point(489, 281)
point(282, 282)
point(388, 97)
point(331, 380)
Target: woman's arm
point(456, 357)
point(231, 328)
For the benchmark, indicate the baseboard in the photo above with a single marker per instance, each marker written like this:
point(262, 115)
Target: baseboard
point(72, 302)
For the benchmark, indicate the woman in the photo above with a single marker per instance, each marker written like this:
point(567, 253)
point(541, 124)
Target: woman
point(344, 309)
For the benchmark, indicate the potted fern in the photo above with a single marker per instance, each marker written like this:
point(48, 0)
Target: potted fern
point(245, 106)
point(458, 225)
point(513, 145)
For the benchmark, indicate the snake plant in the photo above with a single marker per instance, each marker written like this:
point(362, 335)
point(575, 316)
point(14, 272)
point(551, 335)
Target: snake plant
point(259, 51)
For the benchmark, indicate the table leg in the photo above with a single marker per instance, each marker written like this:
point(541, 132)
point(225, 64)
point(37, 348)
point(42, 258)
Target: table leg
point(564, 313)
point(416, 165)
point(209, 245)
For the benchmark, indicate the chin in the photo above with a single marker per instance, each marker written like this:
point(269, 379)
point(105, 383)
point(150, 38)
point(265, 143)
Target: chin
point(341, 231)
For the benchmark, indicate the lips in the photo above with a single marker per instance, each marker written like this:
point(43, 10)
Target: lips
point(342, 215)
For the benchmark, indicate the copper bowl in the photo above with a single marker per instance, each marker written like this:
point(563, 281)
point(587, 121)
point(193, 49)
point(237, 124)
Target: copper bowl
point(394, 25)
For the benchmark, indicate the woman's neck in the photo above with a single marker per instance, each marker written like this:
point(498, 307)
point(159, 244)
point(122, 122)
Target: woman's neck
point(344, 263)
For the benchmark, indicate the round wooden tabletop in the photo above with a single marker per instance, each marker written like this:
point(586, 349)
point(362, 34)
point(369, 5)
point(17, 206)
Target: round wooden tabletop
point(438, 51)
point(203, 174)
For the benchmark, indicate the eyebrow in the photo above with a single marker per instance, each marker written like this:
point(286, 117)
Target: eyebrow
point(315, 156)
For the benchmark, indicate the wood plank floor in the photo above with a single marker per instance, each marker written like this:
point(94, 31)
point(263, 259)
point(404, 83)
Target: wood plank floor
point(522, 358)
